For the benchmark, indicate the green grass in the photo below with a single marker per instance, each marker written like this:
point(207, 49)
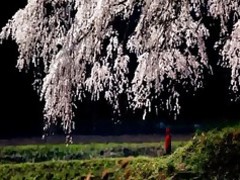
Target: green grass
point(114, 168)
point(209, 155)
point(39, 153)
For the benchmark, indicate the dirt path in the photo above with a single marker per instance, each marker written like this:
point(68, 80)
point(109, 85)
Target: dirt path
point(94, 139)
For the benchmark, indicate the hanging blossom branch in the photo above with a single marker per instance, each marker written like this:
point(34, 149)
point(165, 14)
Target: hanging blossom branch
point(228, 12)
point(165, 40)
point(231, 57)
point(81, 48)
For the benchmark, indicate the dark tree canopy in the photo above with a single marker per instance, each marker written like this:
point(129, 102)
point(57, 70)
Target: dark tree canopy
point(146, 51)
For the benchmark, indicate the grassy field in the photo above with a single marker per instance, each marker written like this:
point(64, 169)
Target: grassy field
point(209, 155)
point(39, 153)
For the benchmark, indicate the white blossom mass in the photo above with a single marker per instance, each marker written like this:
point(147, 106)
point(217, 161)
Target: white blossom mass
point(140, 48)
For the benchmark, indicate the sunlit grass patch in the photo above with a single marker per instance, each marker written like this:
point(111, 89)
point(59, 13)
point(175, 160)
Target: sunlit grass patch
point(39, 153)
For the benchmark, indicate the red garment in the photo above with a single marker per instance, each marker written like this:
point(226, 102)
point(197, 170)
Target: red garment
point(168, 141)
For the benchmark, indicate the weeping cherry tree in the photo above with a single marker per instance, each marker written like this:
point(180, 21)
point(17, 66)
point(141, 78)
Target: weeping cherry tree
point(138, 48)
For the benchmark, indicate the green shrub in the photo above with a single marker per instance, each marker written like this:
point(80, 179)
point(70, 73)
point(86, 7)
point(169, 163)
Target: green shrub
point(211, 155)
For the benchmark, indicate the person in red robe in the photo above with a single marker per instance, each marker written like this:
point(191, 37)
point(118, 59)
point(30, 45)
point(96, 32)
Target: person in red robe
point(168, 146)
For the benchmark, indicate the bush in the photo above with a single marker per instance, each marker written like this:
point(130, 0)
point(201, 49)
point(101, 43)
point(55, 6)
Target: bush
point(211, 155)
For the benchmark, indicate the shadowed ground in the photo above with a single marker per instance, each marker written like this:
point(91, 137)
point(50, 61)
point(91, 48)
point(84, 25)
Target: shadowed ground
point(94, 139)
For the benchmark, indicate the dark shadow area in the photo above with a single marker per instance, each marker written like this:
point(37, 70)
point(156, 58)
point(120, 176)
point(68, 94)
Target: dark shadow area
point(20, 109)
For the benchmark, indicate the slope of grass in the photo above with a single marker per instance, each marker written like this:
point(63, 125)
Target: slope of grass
point(210, 155)
point(109, 168)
